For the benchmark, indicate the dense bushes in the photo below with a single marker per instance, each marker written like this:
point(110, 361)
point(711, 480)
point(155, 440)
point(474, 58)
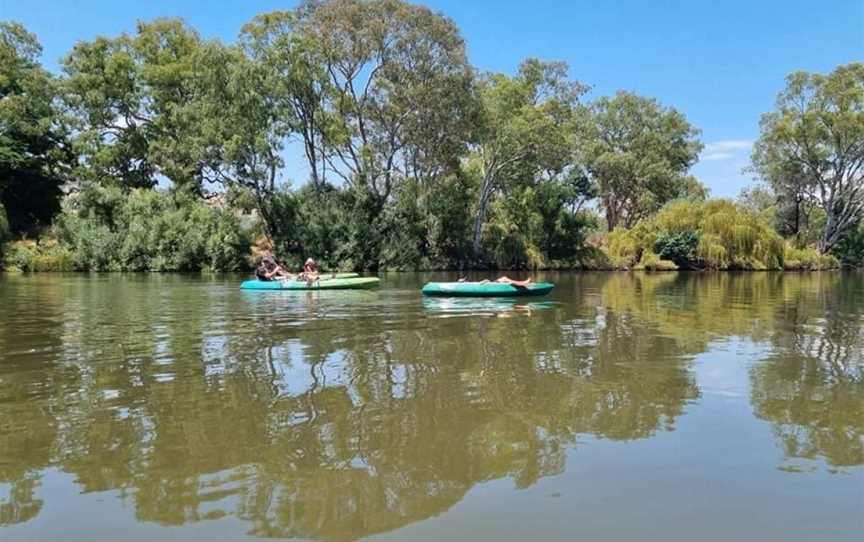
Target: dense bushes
point(534, 226)
point(428, 227)
point(45, 254)
point(850, 251)
point(807, 259)
point(105, 229)
point(716, 234)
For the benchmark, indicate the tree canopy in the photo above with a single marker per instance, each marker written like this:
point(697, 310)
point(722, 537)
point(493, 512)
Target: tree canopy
point(638, 152)
point(357, 132)
point(34, 154)
point(811, 146)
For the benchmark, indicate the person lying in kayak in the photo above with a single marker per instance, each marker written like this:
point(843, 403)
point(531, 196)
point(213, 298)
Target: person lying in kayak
point(270, 270)
point(310, 272)
point(508, 280)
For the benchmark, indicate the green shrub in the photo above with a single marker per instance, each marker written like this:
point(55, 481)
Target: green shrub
point(653, 262)
point(535, 226)
point(850, 251)
point(678, 247)
point(47, 254)
point(733, 238)
point(623, 247)
point(149, 230)
point(808, 259)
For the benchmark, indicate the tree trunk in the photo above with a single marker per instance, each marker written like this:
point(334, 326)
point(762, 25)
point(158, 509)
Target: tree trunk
point(829, 236)
point(485, 193)
point(478, 229)
point(611, 216)
point(798, 221)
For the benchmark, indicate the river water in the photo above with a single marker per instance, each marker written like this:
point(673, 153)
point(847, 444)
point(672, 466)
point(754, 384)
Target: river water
point(659, 407)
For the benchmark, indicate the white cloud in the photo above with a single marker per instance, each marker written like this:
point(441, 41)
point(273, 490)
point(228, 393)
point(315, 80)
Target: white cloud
point(716, 156)
point(725, 149)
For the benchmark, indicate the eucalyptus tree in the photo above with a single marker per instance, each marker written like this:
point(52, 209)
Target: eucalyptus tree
point(34, 152)
point(525, 130)
point(638, 153)
point(812, 146)
point(400, 85)
point(135, 98)
point(293, 84)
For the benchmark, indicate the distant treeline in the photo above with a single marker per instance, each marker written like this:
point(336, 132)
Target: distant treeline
point(415, 159)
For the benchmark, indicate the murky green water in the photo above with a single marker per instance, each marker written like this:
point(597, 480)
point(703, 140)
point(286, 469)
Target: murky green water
point(622, 407)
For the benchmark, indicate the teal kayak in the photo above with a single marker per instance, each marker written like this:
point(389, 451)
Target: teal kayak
point(485, 289)
point(329, 276)
point(351, 283)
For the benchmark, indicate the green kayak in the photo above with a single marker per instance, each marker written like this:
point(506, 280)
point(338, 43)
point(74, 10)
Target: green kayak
point(485, 289)
point(351, 283)
point(329, 276)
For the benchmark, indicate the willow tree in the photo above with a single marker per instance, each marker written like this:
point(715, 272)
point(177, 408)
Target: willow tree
point(812, 146)
point(638, 153)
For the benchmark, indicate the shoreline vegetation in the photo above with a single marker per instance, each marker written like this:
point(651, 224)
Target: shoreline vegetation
point(159, 150)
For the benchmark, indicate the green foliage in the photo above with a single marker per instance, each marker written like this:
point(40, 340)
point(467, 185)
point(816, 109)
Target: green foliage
point(678, 247)
point(415, 160)
point(525, 133)
point(34, 158)
point(810, 149)
point(731, 238)
point(808, 259)
point(638, 153)
point(850, 251)
point(654, 262)
point(716, 234)
point(154, 104)
point(147, 230)
point(536, 226)
point(449, 206)
point(46, 254)
point(623, 247)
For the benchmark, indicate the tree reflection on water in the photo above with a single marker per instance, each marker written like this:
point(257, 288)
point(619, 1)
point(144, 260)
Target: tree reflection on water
point(334, 423)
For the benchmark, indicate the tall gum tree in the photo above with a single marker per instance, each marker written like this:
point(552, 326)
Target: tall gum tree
point(525, 131)
point(812, 145)
point(292, 80)
point(135, 99)
point(400, 84)
point(638, 153)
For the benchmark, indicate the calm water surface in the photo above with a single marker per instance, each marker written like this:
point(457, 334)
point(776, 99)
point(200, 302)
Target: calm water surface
point(666, 407)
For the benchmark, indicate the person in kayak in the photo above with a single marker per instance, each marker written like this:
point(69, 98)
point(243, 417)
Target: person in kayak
point(310, 272)
point(269, 269)
point(508, 280)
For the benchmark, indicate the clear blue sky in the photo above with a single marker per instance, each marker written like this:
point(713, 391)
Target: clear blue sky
point(720, 63)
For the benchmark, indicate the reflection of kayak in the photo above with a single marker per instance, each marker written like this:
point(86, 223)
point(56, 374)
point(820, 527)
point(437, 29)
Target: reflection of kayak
point(354, 283)
point(485, 289)
point(449, 306)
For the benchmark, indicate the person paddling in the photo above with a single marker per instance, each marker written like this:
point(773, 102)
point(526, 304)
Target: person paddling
point(270, 270)
point(310, 272)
